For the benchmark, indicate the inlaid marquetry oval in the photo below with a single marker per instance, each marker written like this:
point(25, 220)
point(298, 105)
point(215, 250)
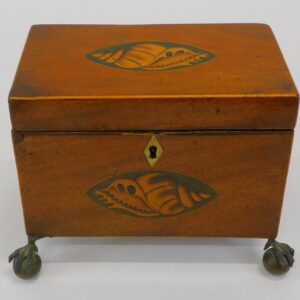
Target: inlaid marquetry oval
point(149, 193)
point(150, 56)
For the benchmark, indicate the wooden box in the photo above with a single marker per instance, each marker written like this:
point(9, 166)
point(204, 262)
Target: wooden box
point(152, 130)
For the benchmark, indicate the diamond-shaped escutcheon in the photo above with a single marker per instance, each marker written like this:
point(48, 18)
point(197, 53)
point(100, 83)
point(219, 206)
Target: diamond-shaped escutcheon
point(153, 151)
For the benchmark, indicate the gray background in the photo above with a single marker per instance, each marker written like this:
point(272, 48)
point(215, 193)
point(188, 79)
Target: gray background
point(143, 268)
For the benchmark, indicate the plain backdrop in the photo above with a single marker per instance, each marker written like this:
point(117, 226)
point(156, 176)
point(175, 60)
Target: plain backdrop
point(143, 268)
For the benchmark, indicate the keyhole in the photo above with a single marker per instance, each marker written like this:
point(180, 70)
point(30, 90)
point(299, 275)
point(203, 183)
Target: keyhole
point(153, 151)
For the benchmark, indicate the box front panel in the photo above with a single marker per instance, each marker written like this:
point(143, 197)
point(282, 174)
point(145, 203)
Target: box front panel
point(189, 184)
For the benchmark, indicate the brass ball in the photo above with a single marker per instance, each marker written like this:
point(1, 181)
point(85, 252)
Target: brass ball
point(272, 264)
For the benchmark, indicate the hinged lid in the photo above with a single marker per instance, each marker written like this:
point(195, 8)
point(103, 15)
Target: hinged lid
point(152, 77)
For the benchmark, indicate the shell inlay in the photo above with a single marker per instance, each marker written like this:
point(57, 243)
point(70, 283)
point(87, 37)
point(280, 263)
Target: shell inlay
point(151, 193)
point(150, 56)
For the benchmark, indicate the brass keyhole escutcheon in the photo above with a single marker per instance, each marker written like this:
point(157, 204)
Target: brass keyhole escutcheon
point(153, 151)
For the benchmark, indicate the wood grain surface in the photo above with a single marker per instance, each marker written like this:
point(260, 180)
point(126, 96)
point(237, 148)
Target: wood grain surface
point(86, 98)
point(169, 114)
point(245, 85)
point(247, 170)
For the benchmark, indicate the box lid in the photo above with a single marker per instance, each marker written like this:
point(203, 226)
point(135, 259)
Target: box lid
point(152, 77)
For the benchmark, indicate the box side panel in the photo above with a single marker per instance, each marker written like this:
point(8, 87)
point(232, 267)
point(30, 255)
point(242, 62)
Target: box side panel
point(62, 179)
point(144, 114)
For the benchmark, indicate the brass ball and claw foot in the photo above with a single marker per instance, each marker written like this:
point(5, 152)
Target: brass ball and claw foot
point(26, 262)
point(278, 257)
